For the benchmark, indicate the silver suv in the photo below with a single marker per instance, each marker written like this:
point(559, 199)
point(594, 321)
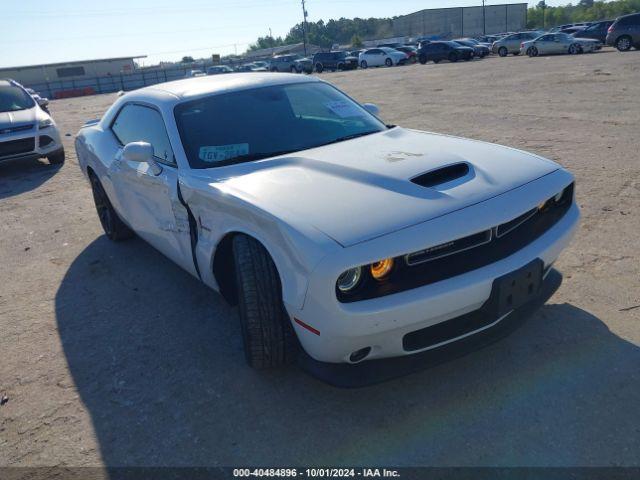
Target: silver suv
point(511, 43)
point(26, 130)
point(625, 32)
point(284, 63)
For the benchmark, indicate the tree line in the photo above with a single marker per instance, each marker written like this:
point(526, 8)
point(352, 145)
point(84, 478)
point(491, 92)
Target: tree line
point(353, 31)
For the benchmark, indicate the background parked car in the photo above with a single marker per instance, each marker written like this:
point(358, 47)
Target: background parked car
point(624, 33)
point(334, 61)
point(511, 43)
point(378, 57)
point(597, 31)
point(26, 130)
point(303, 65)
point(283, 63)
point(250, 67)
point(436, 51)
point(558, 43)
point(194, 73)
point(412, 52)
point(479, 51)
point(219, 69)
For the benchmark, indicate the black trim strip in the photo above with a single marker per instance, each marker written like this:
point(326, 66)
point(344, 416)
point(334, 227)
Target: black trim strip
point(193, 231)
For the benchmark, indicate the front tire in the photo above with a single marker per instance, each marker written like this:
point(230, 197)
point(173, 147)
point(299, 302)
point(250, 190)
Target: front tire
point(56, 158)
point(422, 59)
point(573, 49)
point(453, 57)
point(114, 228)
point(267, 334)
point(388, 62)
point(503, 52)
point(623, 44)
point(363, 64)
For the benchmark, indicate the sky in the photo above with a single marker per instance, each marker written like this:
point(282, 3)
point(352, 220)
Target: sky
point(42, 31)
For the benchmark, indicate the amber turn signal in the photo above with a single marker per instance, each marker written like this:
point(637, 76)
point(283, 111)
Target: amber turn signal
point(381, 269)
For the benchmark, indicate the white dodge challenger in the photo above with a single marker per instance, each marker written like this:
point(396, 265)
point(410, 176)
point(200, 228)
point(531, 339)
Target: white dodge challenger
point(340, 238)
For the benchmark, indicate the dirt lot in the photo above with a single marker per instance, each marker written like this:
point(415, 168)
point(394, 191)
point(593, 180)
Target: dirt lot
point(111, 355)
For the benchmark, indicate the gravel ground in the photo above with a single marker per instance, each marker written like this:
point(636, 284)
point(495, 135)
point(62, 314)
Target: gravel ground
point(111, 355)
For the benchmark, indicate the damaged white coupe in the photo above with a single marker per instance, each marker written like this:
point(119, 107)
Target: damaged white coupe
point(340, 238)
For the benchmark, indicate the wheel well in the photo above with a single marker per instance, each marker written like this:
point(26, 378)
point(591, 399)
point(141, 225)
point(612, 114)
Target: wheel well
point(224, 269)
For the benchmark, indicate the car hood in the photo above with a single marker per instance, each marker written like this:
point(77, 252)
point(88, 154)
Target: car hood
point(360, 189)
point(20, 117)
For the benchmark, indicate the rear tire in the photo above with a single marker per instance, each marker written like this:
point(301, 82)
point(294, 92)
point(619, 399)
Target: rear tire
point(503, 52)
point(515, 54)
point(114, 228)
point(267, 334)
point(56, 158)
point(533, 52)
point(422, 59)
point(623, 44)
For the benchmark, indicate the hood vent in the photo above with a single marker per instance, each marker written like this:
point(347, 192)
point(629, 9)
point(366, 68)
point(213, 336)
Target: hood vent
point(441, 175)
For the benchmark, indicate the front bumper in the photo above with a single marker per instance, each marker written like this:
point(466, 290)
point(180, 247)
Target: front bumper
point(39, 143)
point(375, 371)
point(382, 323)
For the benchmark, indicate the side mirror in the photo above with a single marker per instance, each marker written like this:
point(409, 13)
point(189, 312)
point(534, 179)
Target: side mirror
point(141, 152)
point(372, 108)
point(43, 102)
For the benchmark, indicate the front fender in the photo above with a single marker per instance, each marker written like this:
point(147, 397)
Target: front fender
point(295, 250)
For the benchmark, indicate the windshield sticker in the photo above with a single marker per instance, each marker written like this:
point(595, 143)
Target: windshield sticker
point(220, 153)
point(344, 109)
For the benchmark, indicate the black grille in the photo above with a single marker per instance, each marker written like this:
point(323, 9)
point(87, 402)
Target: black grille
point(19, 128)
point(515, 223)
point(441, 175)
point(16, 147)
point(448, 248)
point(45, 140)
point(405, 277)
point(444, 331)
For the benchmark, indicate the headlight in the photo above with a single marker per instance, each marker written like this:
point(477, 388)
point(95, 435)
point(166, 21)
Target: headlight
point(349, 279)
point(381, 269)
point(47, 122)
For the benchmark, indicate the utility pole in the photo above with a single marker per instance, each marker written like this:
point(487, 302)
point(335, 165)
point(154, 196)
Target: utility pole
point(304, 27)
point(544, 11)
point(484, 20)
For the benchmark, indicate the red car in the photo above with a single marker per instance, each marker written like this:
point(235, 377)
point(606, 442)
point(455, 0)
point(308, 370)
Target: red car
point(410, 52)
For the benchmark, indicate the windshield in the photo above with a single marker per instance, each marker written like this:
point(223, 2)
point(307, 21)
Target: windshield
point(264, 122)
point(13, 98)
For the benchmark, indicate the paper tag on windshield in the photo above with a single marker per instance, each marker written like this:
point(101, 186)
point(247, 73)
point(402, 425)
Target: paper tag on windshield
point(220, 153)
point(344, 109)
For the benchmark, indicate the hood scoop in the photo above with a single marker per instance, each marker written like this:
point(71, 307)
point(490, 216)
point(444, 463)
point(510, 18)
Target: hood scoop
point(442, 175)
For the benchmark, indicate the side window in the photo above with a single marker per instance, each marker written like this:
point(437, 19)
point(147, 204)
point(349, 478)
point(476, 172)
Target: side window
point(137, 123)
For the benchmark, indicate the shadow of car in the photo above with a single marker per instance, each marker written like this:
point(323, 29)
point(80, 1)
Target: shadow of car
point(157, 361)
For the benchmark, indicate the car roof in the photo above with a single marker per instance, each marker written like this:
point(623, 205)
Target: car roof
point(202, 86)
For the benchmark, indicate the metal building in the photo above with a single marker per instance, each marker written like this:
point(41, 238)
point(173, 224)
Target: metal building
point(462, 21)
point(52, 72)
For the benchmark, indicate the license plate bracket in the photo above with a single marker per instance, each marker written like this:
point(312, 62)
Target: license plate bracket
point(516, 288)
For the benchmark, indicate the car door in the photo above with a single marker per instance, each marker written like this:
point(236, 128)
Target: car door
point(562, 42)
point(544, 44)
point(151, 203)
point(373, 57)
point(513, 43)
